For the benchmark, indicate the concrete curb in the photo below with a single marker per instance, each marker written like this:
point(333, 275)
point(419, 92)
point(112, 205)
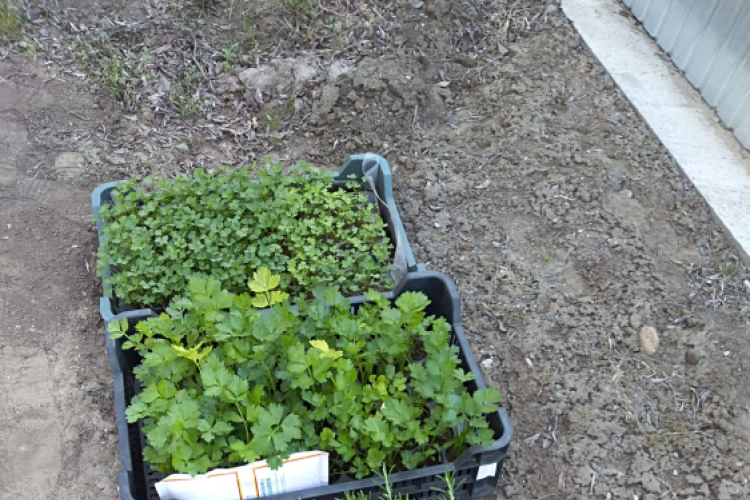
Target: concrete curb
point(708, 154)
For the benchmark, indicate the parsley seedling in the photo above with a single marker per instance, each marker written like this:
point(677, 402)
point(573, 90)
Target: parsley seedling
point(225, 225)
point(226, 383)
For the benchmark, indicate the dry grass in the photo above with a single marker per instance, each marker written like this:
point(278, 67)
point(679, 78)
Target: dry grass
point(10, 22)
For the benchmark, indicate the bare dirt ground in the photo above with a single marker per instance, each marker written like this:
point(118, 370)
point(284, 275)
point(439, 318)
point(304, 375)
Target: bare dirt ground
point(520, 170)
point(57, 433)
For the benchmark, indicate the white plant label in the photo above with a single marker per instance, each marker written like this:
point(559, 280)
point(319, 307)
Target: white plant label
point(488, 470)
point(301, 471)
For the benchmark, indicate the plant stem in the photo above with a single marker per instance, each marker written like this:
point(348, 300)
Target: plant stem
point(271, 380)
point(244, 422)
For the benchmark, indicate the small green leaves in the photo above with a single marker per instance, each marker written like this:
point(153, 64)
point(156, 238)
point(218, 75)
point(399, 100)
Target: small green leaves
point(227, 384)
point(294, 231)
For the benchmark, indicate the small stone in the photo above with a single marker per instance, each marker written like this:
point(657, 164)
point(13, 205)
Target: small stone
point(432, 192)
point(650, 483)
point(694, 479)
point(337, 69)
point(115, 160)
point(702, 242)
point(69, 165)
point(649, 340)
point(324, 105)
point(182, 147)
point(617, 177)
point(487, 363)
point(695, 323)
point(691, 357)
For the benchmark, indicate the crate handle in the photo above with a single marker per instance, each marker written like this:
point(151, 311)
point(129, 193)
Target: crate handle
point(370, 172)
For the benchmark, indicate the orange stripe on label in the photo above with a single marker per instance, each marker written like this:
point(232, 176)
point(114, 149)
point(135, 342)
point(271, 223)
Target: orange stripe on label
point(209, 476)
point(239, 486)
point(290, 460)
point(255, 481)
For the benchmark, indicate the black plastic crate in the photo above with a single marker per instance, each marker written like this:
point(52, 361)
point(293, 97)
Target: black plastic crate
point(477, 470)
point(355, 165)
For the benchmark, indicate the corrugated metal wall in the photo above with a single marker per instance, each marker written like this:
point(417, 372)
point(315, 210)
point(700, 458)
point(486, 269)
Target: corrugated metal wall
point(710, 41)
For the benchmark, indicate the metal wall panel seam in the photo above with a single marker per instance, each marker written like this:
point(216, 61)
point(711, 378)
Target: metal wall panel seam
point(669, 46)
point(709, 42)
point(721, 46)
point(639, 9)
point(634, 5)
point(650, 16)
point(735, 86)
point(730, 122)
point(742, 130)
point(716, 98)
point(659, 24)
point(699, 35)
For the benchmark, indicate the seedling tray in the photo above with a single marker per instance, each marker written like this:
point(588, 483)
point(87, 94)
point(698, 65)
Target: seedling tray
point(356, 165)
point(477, 470)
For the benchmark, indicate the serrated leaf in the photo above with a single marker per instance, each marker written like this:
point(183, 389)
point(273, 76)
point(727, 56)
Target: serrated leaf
point(412, 302)
point(136, 411)
point(376, 297)
point(463, 376)
point(488, 399)
point(277, 297)
point(233, 416)
point(327, 435)
point(291, 427)
point(377, 429)
point(375, 458)
point(264, 281)
point(118, 328)
point(391, 316)
point(399, 412)
point(260, 301)
point(325, 351)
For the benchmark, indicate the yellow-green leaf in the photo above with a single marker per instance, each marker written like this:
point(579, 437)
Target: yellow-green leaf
point(264, 281)
point(260, 301)
point(180, 349)
point(322, 345)
point(326, 351)
point(274, 281)
point(277, 297)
